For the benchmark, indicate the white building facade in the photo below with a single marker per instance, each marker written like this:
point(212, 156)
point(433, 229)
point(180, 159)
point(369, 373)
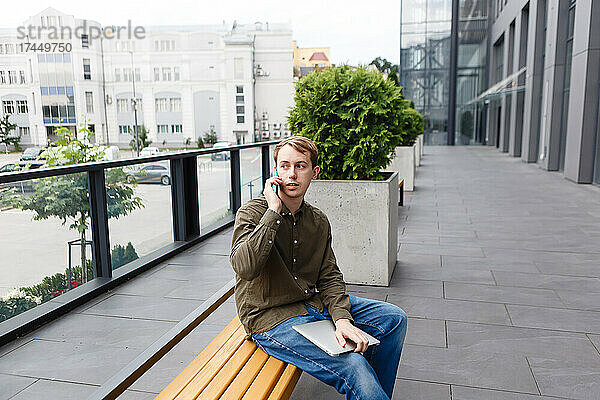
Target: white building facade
point(236, 81)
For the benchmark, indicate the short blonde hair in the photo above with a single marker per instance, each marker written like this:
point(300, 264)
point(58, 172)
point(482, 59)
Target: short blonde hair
point(303, 145)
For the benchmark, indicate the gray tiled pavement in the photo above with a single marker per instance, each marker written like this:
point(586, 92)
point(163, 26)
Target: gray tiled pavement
point(498, 270)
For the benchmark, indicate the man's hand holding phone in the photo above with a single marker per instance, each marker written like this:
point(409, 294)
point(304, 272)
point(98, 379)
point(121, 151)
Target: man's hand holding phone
point(271, 187)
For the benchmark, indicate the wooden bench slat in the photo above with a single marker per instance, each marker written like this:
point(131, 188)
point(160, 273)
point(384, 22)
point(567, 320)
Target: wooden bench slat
point(286, 384)
point(266, 379)
point(177, 385)
point(246, 376)
point(213, 366)
point(227, 374)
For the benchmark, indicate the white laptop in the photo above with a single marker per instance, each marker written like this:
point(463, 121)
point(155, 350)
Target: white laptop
point(322, 334)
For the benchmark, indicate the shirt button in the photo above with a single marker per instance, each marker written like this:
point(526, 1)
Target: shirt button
point(294, 260)
point(270, 241)
point(278, 221)
point(294, 224)
point(296, 278)
point(295, 241)
point(306, 291)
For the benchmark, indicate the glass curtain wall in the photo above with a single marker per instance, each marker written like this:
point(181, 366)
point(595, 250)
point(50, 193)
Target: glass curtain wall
point(470, 76)
point(425, 62)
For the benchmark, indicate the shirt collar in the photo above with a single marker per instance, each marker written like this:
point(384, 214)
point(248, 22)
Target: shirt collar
point(286, 211)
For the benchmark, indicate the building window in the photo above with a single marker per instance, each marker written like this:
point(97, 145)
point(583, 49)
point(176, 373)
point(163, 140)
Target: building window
point(138, 76)
point(22, 107)
point(162, 128)
point(23, 131)
point(85, 41)
point(156, 74)
point(239, 109)
point(127, 75)
point(8, 107)
point(176, 104)
point(117, 74)
point(239, 89)
point(22, 77)
point(10, 49)
point(2, 77)
point(138, 104)
point(239, 99)
point(122, 105)
point(12, 77)
point(161, 105)
point(89, 102)
point(166, 74)
point(124, 129)
point(1, 48)
point(240, 119)
point(176, 128)
point(175, 73)
point(87, 71)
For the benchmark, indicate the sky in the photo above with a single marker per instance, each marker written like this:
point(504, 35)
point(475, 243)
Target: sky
point(357, 31)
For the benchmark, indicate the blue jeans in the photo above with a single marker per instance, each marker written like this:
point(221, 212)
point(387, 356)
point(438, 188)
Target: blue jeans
point(370, 376)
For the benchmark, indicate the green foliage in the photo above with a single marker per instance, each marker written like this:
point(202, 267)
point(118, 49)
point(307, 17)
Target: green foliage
point(120, 255)
point(354, 116)
point(187, 142)
point(15, 306)
point(200, 143)
point(142, 138)
point(6, 133)
point(386, 67)
point(412, 126)
point(210, 137)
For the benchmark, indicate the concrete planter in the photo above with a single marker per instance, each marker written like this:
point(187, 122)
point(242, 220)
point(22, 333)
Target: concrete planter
point(404, 163)
point(419, 150)
point(364, 224)
point(417, 159)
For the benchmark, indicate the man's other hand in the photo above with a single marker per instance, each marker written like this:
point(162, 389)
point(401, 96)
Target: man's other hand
point(273, 200)
point(345, 330)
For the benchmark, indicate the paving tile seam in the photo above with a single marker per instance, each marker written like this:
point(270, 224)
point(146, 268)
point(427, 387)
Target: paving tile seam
point(593, 344)
point(16, 348)
point(136, 318)
point(533, 375)
point(25, 388)
point(509, 391)
point(52, 380)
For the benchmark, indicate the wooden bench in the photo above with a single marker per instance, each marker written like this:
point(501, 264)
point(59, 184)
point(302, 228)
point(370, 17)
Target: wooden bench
point(401, 188)
point(231, 367)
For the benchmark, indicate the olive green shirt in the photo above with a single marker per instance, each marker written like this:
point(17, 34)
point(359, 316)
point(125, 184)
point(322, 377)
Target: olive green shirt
point(282, 262)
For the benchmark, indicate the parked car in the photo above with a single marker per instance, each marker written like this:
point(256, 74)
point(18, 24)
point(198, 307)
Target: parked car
point(149, 151)
point(150, 173)
point(32, 158)
point(8, 168)
point(224, 155)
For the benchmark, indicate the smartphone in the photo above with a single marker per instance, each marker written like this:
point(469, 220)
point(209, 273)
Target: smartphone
point(276, 187)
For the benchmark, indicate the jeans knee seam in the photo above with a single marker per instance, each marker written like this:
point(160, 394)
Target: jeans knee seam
point(313, 362)
point(383, 332)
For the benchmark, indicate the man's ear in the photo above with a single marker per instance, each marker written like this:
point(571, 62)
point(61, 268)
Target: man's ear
point(316, 171)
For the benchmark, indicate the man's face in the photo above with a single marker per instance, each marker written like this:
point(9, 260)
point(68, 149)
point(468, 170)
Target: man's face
point(296, 170)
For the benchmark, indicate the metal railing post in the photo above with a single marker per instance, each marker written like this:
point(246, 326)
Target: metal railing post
point(236, 182)
point(266, 164)
point(99, 223)
point(184, 198)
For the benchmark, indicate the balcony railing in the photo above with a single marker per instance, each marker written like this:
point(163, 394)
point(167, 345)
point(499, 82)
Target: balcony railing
point(199, 200)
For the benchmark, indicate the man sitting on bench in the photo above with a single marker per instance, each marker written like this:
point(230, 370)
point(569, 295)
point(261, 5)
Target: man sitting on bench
point(286, 274)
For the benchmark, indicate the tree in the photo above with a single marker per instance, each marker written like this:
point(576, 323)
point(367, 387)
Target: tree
point(6, 133)
point(200, 143)
point(187, 142)
point(122, 255)
point(66, 197)
point(355, 118)
point(210, 137)
point(142, 139)
point(386, 67)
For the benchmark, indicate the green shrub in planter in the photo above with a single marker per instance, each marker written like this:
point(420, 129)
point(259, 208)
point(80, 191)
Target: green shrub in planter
point(354, 116)
point(412, 126)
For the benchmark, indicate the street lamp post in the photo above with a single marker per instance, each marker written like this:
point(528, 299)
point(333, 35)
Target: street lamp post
point(134, 103)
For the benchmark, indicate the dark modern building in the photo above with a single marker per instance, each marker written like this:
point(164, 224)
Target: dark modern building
point(520, 75)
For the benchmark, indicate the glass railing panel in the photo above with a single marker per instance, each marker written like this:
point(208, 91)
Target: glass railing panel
point(214, 188)
point(251, 173)
point(44, 224)
point(139, 210)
